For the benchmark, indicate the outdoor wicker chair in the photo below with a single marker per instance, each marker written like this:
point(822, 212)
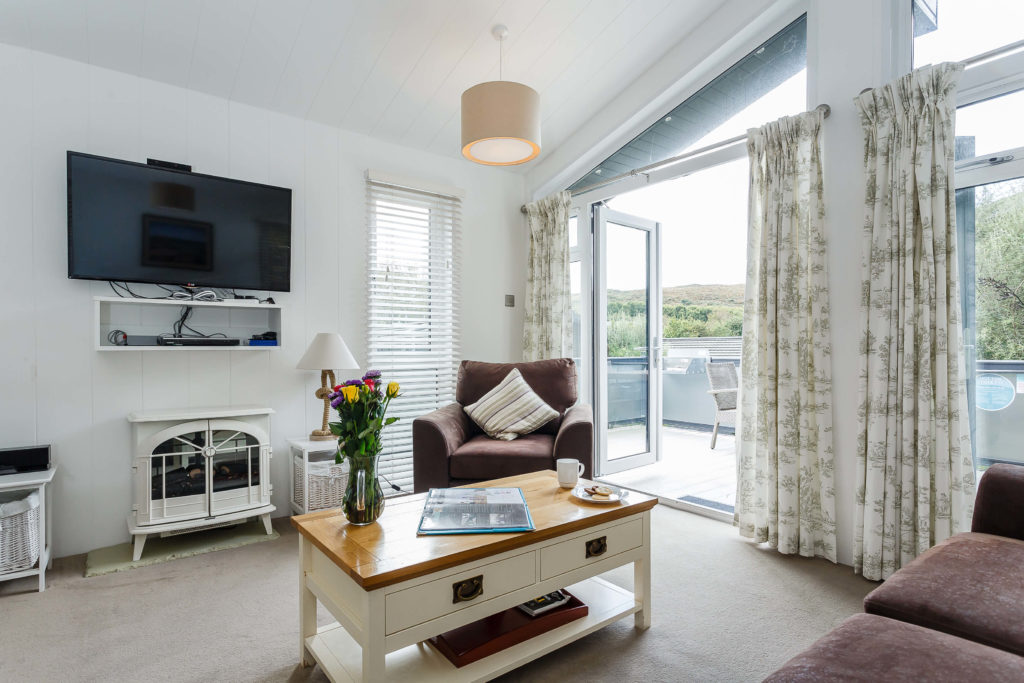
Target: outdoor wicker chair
point(724, 388)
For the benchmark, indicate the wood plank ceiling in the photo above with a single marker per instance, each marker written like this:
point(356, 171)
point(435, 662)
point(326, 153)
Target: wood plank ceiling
point(392, 69)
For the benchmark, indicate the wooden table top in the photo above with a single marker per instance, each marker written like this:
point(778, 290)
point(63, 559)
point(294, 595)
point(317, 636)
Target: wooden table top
point(389, 551)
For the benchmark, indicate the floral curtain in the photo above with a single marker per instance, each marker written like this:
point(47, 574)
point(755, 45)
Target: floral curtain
point(785, 491)
point(915, 477)
point(547, 330)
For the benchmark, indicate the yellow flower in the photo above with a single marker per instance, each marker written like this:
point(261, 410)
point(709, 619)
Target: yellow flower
point(350, 393)
point(392, 389)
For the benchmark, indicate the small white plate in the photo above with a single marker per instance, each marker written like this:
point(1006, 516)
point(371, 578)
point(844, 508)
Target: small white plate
point(616, 495)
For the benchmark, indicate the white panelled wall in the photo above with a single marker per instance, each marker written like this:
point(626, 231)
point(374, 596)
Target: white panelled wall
point(54, 388)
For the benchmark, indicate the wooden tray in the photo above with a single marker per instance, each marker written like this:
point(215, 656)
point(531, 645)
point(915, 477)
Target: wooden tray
point(482, 638)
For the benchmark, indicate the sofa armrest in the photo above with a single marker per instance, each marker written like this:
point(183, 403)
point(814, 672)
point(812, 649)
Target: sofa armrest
point(435, 437)
point(999, 507)
point(575, 438)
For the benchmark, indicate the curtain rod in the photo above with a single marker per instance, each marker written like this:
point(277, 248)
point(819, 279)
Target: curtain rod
point(1010, 47)
point(824, 108)
point(971, 61)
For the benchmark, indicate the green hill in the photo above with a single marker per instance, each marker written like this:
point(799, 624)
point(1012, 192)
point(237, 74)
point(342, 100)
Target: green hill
point(704, 295)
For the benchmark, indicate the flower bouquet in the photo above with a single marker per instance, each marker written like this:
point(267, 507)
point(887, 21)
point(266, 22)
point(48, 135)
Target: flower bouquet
point(361, 405)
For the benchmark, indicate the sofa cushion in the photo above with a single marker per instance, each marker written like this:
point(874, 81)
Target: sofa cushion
point(999, 506)
point(970, 585)
point(554, 381)
point(866, 647)
point(484, 458)
point(510, 409)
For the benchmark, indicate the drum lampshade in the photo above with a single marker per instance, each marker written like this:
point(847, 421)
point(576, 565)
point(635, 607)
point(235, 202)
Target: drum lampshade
point(500, 123)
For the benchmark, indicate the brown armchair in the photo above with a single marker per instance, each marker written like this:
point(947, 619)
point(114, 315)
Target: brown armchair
point(449, 449)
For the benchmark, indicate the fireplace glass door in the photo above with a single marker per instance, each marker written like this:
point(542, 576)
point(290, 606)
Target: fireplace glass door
point(200, 469)
point(234, 468)
point(178, 477)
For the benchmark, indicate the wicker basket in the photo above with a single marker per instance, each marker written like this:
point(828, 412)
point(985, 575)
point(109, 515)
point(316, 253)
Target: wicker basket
point(19, 532)
point(325, 484)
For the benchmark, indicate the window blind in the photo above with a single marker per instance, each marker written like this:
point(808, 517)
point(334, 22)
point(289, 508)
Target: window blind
point(413, 308)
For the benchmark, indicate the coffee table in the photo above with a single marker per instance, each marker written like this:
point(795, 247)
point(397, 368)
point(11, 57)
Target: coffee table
point(390, 590)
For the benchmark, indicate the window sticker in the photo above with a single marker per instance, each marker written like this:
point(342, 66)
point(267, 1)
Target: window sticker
point(995, 392)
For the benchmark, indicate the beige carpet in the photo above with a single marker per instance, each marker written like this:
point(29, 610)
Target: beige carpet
point(724, 610)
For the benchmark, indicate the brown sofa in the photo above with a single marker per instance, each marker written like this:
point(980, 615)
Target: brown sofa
point(955, 613)
point(449, 449)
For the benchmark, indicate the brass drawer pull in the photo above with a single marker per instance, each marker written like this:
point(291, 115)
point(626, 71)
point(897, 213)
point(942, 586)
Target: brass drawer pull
point(467, 589)
point(596, 547)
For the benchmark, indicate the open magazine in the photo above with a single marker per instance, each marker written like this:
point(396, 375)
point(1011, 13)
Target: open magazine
point(475, 511)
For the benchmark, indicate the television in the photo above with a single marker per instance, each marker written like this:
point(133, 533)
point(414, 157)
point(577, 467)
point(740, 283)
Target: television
point(156, 224)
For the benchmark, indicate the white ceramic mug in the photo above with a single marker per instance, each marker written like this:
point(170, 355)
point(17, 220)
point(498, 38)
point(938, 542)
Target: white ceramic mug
point(569, 472)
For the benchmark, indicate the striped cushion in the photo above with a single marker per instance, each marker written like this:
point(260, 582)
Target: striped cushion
point(511, 409)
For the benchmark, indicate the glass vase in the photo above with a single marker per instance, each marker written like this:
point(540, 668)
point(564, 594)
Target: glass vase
point(364, 500)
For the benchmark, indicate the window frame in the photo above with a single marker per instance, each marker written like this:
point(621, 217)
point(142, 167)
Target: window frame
point(981, 81)
point(583, 204)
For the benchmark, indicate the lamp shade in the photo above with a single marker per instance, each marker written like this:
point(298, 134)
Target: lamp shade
point(500, 123)
point(328, 351)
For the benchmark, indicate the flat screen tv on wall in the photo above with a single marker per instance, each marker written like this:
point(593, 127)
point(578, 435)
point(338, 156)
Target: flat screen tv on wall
point(141, 223)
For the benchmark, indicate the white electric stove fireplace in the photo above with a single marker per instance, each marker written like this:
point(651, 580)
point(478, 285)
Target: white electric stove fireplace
point(199, 468)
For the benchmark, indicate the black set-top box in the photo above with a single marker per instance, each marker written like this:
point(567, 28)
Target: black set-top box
point(24, 459)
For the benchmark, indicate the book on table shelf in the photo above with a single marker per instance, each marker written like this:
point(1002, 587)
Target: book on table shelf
point(475, 511)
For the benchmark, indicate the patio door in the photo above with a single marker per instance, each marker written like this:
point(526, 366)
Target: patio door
point(627, 344)
point(990, 226)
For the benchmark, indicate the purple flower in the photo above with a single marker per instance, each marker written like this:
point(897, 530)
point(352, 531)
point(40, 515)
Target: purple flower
point(336, 401)
point(353, 383)
point(372, 374)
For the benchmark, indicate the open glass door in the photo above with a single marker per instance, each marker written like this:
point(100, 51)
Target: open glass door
point(990, 224)
point(626, 343)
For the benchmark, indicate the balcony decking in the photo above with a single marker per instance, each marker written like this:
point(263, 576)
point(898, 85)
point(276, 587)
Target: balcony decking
point(688, 470)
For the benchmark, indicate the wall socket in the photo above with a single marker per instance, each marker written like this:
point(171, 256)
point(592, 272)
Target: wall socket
point(510, 300)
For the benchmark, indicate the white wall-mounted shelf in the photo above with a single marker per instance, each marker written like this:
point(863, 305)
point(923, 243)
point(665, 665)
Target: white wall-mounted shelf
point(240, 318)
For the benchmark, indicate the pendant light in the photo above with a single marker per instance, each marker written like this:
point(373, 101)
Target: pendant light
point(500, 119)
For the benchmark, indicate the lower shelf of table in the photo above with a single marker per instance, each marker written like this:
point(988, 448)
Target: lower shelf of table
point(341, 657)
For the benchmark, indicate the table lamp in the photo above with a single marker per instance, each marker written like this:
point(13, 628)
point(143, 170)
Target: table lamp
point(327, 350)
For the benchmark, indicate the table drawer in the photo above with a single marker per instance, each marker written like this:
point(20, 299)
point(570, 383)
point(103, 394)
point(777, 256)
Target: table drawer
point(437, 598)
point(568, 555)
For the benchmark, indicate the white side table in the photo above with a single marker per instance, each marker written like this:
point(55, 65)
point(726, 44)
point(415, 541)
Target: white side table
point(34, 481)
point(304, 451)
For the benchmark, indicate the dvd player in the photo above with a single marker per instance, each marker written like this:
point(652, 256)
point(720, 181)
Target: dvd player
point(198, 341)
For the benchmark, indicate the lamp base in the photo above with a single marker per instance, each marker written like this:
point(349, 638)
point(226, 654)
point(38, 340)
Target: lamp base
point(324, 393)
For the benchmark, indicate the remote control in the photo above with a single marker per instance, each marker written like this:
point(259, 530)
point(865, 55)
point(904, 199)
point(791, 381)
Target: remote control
point(544, 603)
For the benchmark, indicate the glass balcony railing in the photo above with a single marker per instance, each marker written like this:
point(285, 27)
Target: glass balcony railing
point(686, 402)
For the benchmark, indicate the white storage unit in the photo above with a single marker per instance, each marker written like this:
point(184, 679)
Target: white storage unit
point(19, 531)
point(25, 525)
point(317, 482)
point(197, 468)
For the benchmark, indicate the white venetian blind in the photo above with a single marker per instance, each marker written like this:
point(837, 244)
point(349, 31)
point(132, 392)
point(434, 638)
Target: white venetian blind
point(413, 306)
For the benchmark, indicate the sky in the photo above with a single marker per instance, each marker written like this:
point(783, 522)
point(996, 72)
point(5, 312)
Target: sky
point(704, 215)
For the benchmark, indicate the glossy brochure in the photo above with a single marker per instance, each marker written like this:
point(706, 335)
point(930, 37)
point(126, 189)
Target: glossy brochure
point(475, 511)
